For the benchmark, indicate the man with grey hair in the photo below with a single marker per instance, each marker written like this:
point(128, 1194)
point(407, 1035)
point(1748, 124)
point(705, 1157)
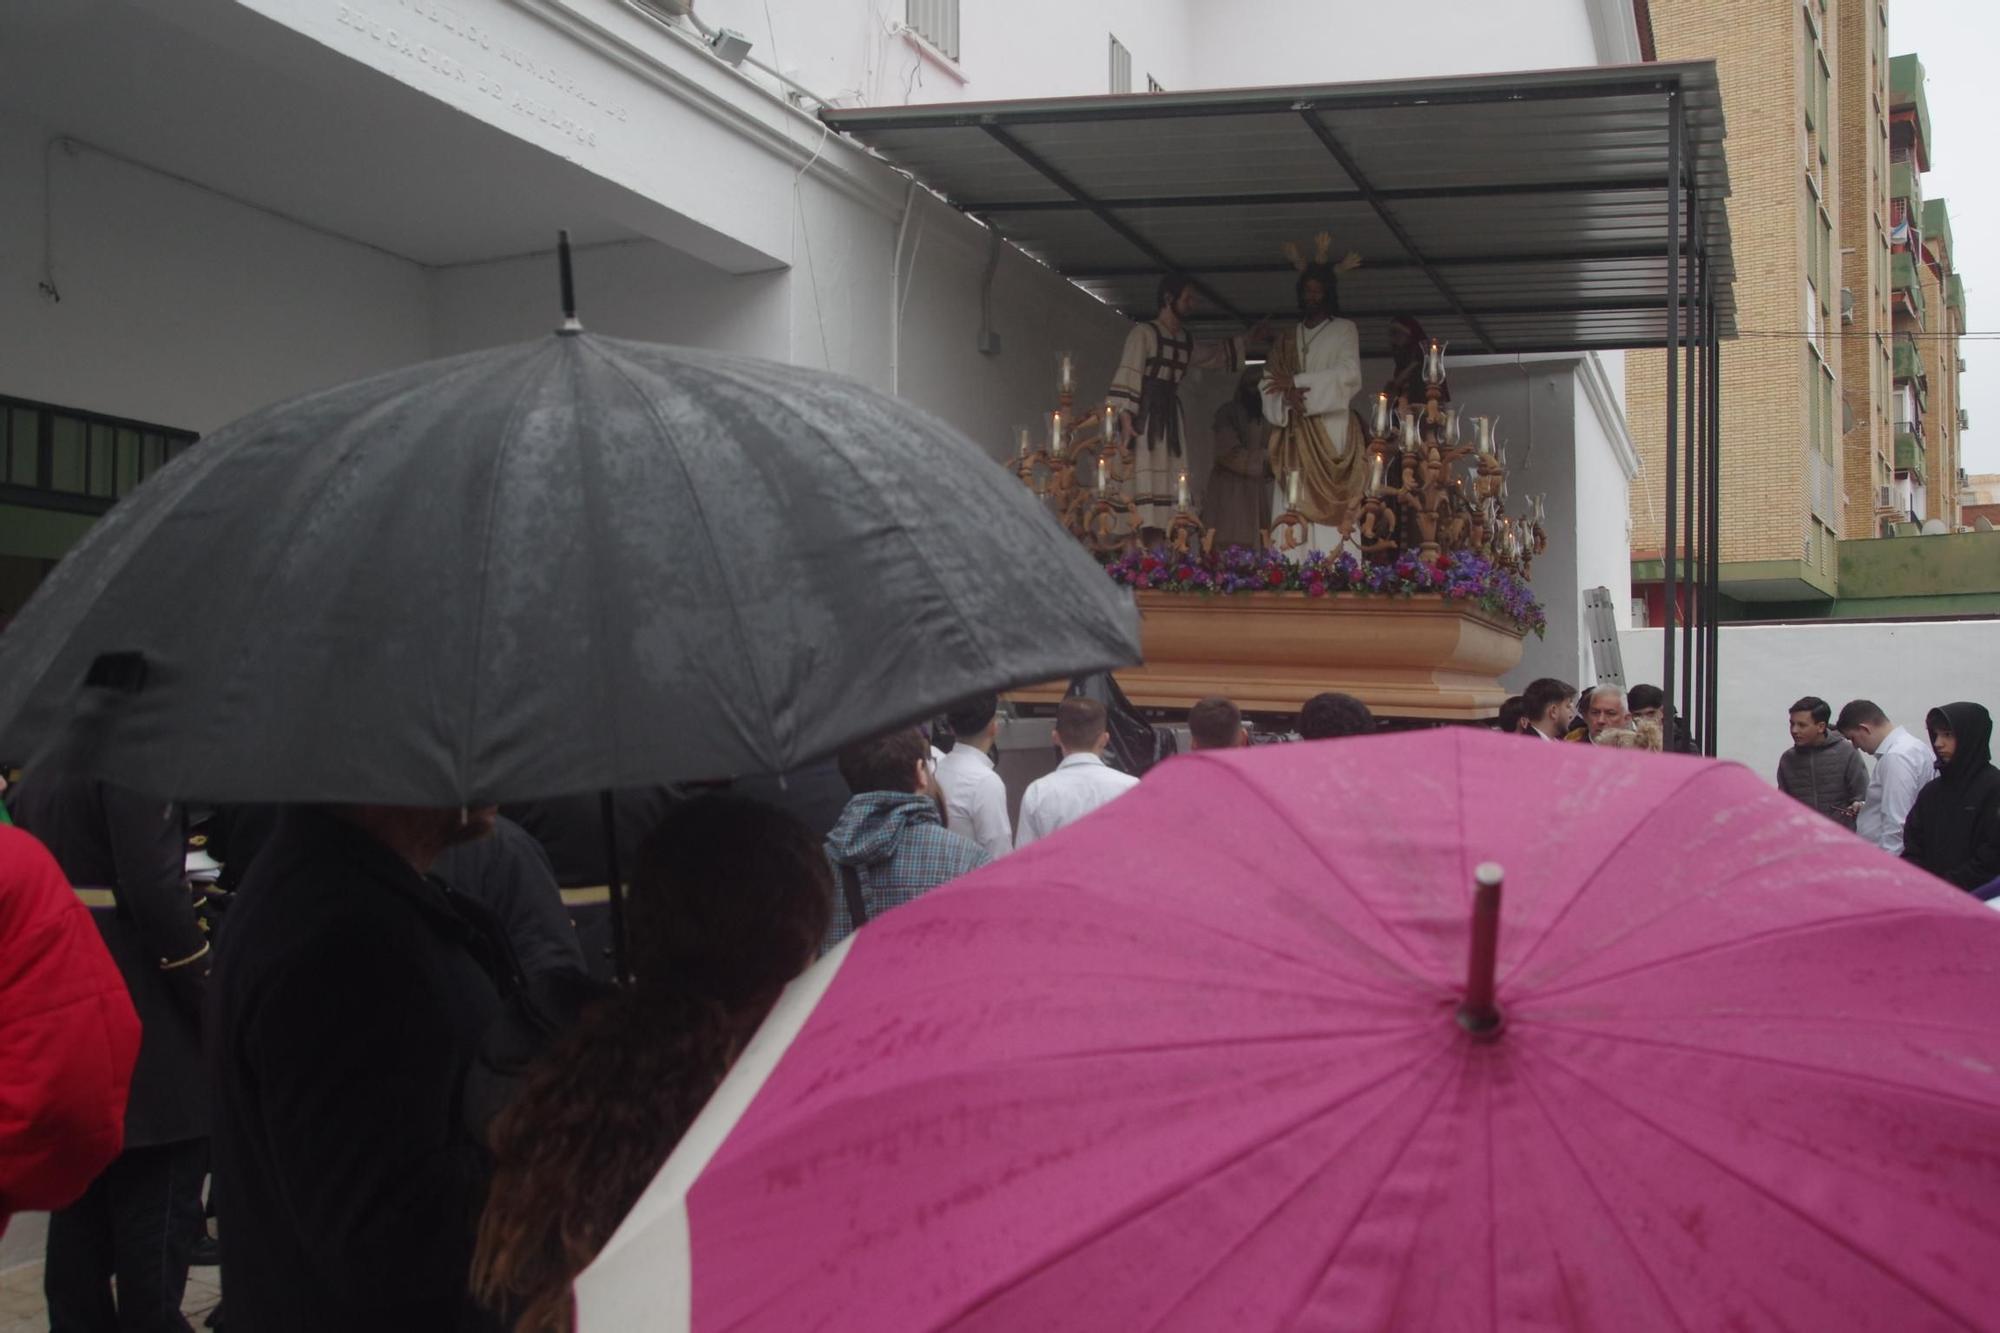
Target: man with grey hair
point(1604, 710)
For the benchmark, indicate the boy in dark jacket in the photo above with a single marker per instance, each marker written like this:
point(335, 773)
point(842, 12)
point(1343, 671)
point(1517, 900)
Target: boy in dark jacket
point(1954, 828)
point(1822, 769)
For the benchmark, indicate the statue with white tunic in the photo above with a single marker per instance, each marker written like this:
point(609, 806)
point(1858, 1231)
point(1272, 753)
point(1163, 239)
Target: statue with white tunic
point(1314, 370)
point(1146, 393)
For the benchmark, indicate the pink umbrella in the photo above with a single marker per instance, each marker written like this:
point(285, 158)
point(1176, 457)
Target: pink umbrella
point(1198, 1063)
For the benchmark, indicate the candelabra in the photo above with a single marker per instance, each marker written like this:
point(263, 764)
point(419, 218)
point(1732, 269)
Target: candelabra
point(1417, 497)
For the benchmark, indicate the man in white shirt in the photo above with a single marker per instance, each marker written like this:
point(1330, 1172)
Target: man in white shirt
point(1903, 764)
point(1081, 782)
point(974, 796)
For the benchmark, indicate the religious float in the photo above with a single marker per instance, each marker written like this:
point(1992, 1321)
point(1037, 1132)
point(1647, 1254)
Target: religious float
point(1419, 612)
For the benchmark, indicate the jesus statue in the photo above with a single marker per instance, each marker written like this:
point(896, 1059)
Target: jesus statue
point(1313, 371)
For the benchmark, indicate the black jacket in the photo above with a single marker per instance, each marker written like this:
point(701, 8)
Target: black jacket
point(350, 994)
point(509, 875)
point(111, 840)
point(570, 830)
point(1954, 828)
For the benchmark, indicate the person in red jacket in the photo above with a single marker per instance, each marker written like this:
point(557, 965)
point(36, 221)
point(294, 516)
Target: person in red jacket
point(68, 1037)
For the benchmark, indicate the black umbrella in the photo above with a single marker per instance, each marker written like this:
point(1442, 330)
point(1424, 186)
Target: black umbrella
point(570, 565)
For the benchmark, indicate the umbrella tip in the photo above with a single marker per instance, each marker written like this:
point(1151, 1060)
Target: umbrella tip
point(1478, 1014)
point(569, 324)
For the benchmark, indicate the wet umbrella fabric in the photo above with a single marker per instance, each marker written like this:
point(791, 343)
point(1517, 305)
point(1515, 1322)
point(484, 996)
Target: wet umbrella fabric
point(1152, 1074)
point(569, 565)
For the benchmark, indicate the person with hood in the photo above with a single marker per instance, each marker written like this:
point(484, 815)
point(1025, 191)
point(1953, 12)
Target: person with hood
point(1954, 828)
point(891, 845)
point(1822, 769)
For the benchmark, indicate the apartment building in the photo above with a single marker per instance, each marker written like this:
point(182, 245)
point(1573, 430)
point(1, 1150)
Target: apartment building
point(1840, 414)
point(1930, 315)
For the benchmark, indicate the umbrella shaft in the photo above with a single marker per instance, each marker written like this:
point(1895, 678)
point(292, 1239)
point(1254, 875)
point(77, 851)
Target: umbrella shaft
point(1478, 1013)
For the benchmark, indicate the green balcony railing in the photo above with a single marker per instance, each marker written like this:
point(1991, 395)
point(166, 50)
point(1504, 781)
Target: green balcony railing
point(1906, 183)
point(1937, 230)
point(1903, 271)
point(1909, 453)
point(1908, 363)
point(1906, 89)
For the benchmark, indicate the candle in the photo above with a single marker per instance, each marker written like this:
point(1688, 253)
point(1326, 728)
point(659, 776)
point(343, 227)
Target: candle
point(1066, 378)
point(1451, 433)
point(1381, 422)
point(1181, 491)
point(1024, 441)
point(1292, 489)
point(1375, 468)
point(1103, 474)
point(1110, 423)
point(1434, 363)
point(1055, 434)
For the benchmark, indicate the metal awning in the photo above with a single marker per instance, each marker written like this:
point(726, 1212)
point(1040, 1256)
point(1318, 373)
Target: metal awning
point(1515, 212)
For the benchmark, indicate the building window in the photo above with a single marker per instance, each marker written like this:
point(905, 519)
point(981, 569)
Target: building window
point(1121, 67)
point(936, 21)
point(61, 458)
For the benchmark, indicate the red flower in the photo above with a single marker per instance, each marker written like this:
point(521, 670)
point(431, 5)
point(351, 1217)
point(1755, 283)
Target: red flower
point(1274, 577)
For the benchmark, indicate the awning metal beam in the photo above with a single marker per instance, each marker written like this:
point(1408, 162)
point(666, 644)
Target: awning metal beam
point(1401, 194)
point(1582, 84)
point(1389, 219)
point(1103, 214)
point(1636, 254)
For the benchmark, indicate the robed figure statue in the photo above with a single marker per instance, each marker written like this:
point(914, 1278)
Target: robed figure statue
point(1313, 372)
point(1146, 393)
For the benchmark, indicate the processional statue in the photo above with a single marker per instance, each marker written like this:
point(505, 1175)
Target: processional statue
point(1146, 394)
point(1319, 453)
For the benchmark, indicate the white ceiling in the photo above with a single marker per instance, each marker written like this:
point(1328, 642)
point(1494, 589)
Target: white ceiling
point(226, 98)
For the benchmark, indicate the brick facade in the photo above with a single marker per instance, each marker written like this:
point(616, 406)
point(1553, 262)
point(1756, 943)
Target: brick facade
point(1809, 403)
point(1760, 57)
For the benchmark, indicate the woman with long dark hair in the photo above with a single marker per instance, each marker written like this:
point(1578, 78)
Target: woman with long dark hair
point(729, 901)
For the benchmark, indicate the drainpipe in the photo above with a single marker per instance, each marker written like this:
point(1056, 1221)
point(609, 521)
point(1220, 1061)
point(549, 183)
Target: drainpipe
point(896, 290)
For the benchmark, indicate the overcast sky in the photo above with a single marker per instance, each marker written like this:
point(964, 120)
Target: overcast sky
point(1958, 41)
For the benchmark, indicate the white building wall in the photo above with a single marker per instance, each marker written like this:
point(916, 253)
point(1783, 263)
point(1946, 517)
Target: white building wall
point(1310, 41)
point(179, 306)
point(860, 53)
point(1907, 667)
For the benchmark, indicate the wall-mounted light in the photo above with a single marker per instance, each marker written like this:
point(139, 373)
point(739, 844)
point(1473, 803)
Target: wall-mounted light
point(730, 46)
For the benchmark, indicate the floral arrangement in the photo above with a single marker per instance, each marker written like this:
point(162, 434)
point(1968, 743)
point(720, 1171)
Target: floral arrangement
point(1456, 577)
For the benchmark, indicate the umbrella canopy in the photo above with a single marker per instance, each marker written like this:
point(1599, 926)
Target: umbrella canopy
point(1192, 1064)
point(573, 564)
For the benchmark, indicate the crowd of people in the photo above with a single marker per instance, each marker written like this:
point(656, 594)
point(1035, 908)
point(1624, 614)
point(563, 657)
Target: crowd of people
point(1936, 805)
point(424, 1094)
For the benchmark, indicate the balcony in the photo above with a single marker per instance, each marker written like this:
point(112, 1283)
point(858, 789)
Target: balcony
point(1905, 287)
point(1908, 363)
point(1906, 94)
point(1954, 296)
point(1937, 232)
point(1906, 183)
point(1910, 453)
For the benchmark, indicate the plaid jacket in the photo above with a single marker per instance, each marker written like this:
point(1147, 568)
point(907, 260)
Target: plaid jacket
point(899, 849)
